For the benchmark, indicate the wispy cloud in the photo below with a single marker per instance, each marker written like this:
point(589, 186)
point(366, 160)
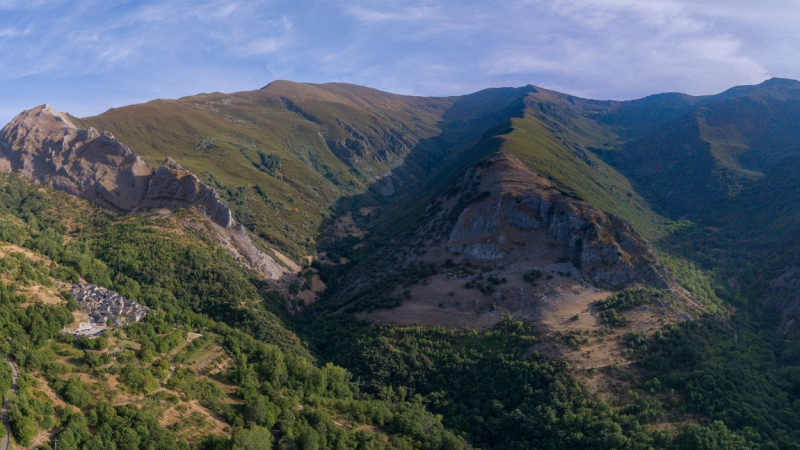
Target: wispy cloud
point(109, 52)
point(25, 4)
point(103, 35)
point(390, 12)
point(628, 48)
point(12, 32)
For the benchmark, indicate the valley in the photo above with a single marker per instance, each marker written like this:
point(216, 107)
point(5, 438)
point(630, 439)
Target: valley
point(332, 266)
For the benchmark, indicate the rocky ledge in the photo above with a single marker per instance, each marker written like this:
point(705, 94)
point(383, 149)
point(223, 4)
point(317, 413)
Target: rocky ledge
point(42, 145)
point(505, 213)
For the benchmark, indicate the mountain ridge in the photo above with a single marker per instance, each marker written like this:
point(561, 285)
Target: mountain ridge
point(544, 270)
point(360, 147)
point(42, 145)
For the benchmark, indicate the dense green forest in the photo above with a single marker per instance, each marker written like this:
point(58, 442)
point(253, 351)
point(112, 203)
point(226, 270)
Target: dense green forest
point(710, 383)
point(717, 388)
point(283, 397)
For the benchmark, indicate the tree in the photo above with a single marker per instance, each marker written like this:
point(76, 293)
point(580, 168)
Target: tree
point(255, 438)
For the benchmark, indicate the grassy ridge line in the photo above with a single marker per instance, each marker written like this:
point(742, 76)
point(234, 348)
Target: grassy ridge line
point(163, 129)
point(554, 138)
point(222, 135)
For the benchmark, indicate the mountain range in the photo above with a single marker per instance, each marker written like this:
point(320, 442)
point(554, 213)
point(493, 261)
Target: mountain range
point(614, 229)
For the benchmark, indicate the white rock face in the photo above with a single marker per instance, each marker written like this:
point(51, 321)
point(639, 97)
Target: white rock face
point(43, 145)
point(510, 214)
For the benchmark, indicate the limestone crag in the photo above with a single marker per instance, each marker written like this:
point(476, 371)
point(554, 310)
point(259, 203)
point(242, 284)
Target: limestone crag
point(43, 145)
point(502, 239)
point(173, 186)
point(505, 212)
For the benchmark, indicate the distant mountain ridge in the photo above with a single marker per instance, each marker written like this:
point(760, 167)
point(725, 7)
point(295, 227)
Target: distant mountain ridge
point(288, 160)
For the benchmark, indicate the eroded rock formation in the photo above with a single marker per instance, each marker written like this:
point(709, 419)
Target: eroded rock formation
point(505, 212)
point(43, 145)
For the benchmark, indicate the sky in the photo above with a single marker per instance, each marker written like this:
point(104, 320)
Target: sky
point(85, 56)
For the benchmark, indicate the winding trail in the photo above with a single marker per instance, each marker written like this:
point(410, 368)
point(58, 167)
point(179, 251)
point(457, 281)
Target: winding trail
point(4, 411)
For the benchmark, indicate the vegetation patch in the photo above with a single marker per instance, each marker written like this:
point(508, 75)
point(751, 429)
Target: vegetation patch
point(612, 307)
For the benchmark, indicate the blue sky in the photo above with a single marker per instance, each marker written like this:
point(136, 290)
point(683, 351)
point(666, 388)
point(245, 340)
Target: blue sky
point(87, 56)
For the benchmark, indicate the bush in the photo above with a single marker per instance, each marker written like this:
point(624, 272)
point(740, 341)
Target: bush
point(533, 276)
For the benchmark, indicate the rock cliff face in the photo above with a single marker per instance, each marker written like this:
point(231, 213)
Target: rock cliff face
point(43, 145)
point(502, 239)
point(504, 212)
point(173, 186)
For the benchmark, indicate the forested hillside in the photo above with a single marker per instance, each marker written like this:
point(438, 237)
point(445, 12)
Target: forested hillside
point(511, 269)
point(251, 378)
point(247, 377)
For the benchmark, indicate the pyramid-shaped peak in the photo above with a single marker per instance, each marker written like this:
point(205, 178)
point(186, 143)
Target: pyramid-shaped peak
point(42, 116)
point(44, 110)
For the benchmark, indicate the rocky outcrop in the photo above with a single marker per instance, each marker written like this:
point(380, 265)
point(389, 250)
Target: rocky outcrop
point(505, 212)
point(502, 238)
point(43, 145)
point(173, 186)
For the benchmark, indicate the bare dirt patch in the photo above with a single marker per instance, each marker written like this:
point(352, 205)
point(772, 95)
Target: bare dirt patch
point(7, 249)
point(212, 360)
point(286, 261)
point(48, 392)
point(192, 421)
point(311, 295)
point(445, 300)
point(49, 295)
point(560, 303)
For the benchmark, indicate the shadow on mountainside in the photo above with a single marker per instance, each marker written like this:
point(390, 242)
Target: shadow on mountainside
point(470, 130)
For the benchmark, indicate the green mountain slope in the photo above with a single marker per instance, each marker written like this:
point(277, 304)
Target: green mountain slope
point(280, 156)
point(554, 138)
point(548, 271)
point(722, 144)
point(214, 362)
point(291, 158)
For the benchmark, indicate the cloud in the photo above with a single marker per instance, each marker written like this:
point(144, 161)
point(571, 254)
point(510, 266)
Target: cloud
point(263, 46)
point(96, 36)
point(666, 17)
point(113, 55)
point(83, 50)
point(394, 13)
point(626, 48)
point(25, 4)
point(268, 45)
point(12, 32)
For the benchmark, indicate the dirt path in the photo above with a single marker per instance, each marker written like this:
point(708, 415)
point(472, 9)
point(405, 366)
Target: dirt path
point(4, 412)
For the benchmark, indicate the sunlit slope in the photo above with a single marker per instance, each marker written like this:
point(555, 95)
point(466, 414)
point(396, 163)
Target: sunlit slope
point(283, 155)
point(214, 358)
point(555, 137)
